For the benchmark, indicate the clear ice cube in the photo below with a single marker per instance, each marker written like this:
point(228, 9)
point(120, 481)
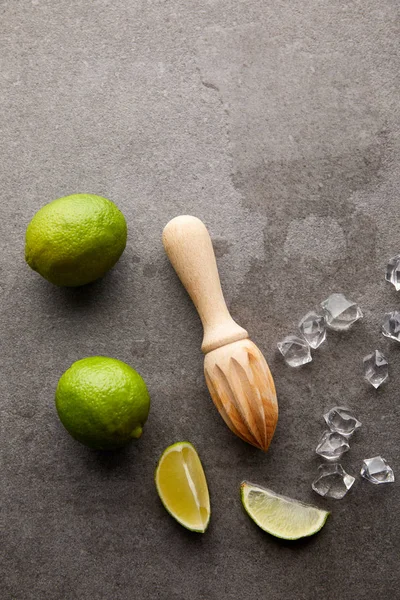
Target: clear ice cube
point(391, 325)
point(295, 351)
point(377, 470)
point(332, 445)
point(332, 481)
point(376, 369)
point(393, 271)
point(342, 421)
point(340, 313)
point(313, 329)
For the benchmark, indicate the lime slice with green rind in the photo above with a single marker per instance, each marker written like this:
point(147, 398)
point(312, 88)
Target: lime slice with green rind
point(280, 516)
point(182, 486)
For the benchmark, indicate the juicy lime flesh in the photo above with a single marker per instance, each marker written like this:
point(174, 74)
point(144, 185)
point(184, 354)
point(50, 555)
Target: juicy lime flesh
point(102, 402)
point(76, 239)
point(182, 486)
point(281, 516)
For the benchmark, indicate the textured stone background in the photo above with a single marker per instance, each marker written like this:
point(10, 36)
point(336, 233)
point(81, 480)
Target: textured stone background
point(278, 124)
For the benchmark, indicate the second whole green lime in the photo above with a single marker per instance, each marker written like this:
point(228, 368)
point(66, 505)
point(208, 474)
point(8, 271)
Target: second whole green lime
point(76, 239)
point(102, 402)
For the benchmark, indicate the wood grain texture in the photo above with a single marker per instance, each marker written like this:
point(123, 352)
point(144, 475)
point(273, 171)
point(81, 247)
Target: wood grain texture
point(242, 389)
point(237, 375)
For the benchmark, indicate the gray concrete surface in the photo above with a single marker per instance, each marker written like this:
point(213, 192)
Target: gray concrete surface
point(278, 124)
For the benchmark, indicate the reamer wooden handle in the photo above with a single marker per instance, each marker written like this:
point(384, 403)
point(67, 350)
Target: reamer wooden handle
point(189, 248)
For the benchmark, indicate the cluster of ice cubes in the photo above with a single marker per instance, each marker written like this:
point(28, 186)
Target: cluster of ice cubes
point(376, 369)
point(332, 480)
point(391, 321)
point(337, 313)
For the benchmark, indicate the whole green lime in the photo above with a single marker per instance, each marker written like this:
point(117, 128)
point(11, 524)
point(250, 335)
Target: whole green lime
point(76, 239)
point(102, 402)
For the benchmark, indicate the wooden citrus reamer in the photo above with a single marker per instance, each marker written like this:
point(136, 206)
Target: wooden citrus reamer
point(237, 375)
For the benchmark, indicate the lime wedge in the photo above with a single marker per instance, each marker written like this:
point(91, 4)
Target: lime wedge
point(182, 486)
point(280, 516)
